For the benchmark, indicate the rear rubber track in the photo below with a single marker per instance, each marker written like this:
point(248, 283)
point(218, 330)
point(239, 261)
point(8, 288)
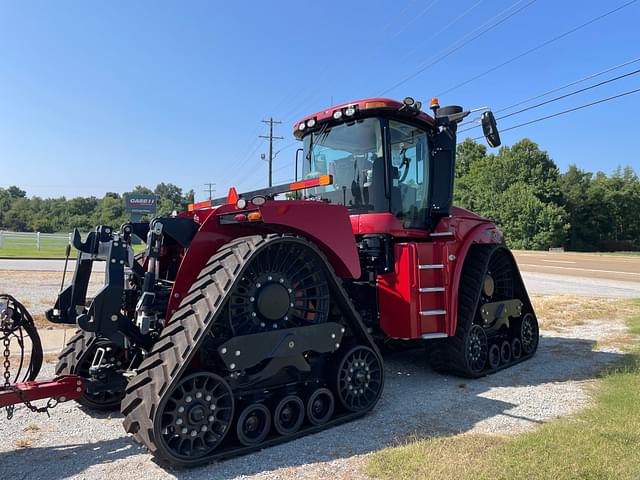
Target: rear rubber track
point(182, 337)
point(447, 355)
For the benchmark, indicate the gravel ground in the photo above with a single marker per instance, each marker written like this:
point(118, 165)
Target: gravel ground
point(38, 290)
point(416, 403)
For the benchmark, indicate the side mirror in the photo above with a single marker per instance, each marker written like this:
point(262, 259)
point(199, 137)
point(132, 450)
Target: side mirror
point(490, 129)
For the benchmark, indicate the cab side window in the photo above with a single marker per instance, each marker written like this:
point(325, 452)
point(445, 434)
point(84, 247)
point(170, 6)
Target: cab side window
point(409, 172)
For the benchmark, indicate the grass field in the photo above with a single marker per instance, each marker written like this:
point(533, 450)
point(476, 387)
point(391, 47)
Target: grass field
point(32, 252)
point(15, 251)
point(598, 443)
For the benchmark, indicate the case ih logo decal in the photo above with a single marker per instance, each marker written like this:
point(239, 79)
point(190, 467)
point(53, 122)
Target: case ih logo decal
point(139, 203)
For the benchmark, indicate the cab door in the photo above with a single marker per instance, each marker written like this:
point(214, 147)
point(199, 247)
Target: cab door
point(409, 174)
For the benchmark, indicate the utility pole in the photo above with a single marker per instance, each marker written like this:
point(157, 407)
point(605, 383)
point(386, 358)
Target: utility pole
point(271, 138)
point(210, 189)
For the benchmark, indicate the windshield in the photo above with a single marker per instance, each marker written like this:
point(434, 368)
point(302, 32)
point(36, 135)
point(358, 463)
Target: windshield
point(353, 154)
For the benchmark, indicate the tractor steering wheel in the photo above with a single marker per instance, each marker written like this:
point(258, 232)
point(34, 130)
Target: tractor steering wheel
point(404, 164)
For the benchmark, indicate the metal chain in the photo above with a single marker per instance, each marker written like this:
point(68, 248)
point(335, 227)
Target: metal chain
point(6, 341)
point(51, 403)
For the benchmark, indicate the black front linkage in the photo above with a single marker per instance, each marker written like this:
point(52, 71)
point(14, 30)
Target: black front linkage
point(104, 314)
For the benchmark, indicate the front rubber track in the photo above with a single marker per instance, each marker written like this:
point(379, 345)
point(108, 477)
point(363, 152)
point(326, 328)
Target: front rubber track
point(172, 353)
point(447, 355)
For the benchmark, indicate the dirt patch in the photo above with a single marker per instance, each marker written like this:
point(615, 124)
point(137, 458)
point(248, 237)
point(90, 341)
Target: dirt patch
point(556, 312)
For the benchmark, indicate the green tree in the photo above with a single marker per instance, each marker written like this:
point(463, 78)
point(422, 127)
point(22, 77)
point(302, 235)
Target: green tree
point(519, 189)
point(467, 153)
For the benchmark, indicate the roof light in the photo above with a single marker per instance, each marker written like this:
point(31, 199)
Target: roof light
point(350, 111)
point(311, 122)
point(254, 216)
point(435, 103)
point(337, 115)
point(199, 205)
point(375, 104)
point(302, 126)
point(408, 101)
point(258, 200)
point(320, 181)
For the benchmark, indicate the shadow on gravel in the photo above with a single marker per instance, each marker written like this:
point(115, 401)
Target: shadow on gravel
point(63, 461)
point(417, 403)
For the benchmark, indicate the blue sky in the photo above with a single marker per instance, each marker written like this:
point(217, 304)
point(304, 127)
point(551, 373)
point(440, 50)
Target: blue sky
point(101, 96)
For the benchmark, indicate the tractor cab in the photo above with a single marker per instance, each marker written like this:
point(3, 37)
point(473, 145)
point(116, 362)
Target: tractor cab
point(386, 158)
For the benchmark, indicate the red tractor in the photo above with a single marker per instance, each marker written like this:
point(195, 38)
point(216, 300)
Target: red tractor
point(252, 320)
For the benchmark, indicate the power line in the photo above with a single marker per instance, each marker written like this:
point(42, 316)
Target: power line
point(570, 84)
point(561, 97)
point(538, 47)
point(557, 114)
point(312, 97)
point(463, 44)
point(240, 167)
point(439, 32)
point(414, 18)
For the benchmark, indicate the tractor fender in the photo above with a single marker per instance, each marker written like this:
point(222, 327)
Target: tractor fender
point(482, 234)
point(327, 226)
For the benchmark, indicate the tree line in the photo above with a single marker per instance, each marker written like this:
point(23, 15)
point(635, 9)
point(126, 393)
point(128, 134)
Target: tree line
point(520, 187)
point(21, 213)
point(537, 207)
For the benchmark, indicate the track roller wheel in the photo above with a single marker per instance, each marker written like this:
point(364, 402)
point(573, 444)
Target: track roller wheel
point(494, 356)
point(516, 348)
point(195, 418)
point(253, 424)
point(529, 334)
point(320, 406)
point(289, 415)
point(359, 379)
point(505, 352)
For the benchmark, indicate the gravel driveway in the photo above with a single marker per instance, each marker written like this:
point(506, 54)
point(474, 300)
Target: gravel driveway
point(416, 402)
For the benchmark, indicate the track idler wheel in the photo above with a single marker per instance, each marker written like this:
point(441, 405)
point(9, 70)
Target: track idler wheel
point(476, 349)
point(253, 424)
point(505, 352)
point(196, 417)
point(359, 379)
point(494, 356)
point(289, 415)
point(529, 334)
point(320, 406)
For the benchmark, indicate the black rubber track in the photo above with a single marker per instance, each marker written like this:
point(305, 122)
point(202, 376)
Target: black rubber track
point(180, 340)
point(447, 355)
point(74, 354)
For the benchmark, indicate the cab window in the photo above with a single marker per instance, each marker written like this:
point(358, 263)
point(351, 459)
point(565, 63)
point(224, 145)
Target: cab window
point(409, 174)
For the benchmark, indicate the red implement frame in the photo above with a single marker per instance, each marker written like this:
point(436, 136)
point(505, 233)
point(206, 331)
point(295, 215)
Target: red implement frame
point(66, 387)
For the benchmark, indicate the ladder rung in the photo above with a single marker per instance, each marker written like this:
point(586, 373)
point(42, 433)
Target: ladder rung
point(430, 266)
point(431, 289)
point(428, 336)
point(427, 313)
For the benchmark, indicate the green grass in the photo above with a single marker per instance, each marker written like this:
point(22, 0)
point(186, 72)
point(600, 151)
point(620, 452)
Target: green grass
point(29, 251)
point(19, 251)
point(601, 442)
